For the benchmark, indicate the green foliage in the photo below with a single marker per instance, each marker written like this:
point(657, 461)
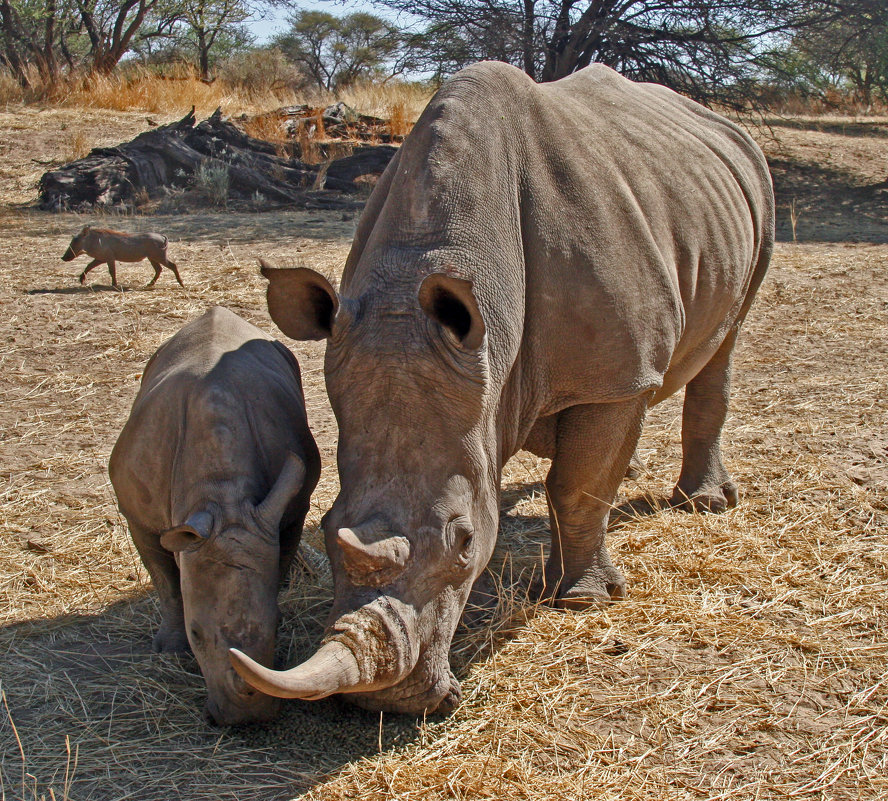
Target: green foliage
point(212, 179)
point(337, 51)
point(849, 55)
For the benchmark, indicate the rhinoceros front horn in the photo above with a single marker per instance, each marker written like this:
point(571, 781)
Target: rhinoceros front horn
point(332, 669)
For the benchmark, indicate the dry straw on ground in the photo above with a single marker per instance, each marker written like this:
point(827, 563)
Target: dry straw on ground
point(749, 660)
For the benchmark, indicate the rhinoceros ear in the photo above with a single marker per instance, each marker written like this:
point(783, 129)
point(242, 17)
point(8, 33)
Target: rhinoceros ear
point(190, 535)
point(300, 301)
point(451, 302)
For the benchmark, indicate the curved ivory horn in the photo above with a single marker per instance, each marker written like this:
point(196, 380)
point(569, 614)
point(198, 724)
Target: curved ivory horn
point(373, 564)
point(331, 670)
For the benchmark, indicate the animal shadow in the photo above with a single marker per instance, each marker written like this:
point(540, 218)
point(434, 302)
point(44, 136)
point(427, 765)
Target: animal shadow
point(135, 719)
point(81, 290)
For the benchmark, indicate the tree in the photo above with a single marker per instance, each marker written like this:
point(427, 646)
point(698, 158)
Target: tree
point(851, 53)
point(336, 51)
point(35, 33)
point(705, 48)
point(214, 26)
point(112, 25)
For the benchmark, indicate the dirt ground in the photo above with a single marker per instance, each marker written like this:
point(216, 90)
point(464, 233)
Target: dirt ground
point(748, 661)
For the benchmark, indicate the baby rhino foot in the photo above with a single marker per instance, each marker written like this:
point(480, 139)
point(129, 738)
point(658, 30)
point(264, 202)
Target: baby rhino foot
point(170, 641)
point(706, 499)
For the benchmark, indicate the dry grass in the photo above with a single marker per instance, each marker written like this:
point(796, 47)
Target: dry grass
point(748, 661)
point(406, 100)
point(138, 90)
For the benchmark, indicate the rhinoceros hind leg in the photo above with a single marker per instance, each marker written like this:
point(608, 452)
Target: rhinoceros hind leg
point(704, 483)
point(593, 448)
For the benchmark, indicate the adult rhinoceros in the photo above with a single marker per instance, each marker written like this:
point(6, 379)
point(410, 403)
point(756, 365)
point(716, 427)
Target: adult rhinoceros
point(537, 266)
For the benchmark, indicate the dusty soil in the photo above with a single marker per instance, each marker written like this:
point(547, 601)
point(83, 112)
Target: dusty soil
point(748, 661)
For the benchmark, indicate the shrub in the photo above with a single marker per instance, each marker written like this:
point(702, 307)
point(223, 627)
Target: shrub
point(211, 179)
point(256, 73)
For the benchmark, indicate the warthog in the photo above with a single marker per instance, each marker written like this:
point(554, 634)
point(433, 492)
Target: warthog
point(539, 264)
point(213, 472)
point(110, 247)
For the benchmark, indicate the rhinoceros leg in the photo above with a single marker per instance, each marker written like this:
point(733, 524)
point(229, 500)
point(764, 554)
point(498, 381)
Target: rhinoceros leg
point(704, 483)
point(594, 445)
point(161, 565)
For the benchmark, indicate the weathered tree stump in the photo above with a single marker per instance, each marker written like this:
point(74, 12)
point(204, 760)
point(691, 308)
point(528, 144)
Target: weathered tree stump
point(169, 157)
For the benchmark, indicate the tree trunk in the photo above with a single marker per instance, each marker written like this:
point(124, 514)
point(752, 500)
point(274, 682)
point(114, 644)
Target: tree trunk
point(10, 35)
point(527, 31)
point(203, 50)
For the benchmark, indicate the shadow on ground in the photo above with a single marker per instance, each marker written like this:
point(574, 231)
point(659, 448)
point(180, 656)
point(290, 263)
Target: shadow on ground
point(205, 227)
point(82, 290)
point(135, 719)
point(841, 127)
point(830, 206)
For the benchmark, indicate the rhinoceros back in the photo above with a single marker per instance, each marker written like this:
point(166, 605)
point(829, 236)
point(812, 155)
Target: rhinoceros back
point(219, 402)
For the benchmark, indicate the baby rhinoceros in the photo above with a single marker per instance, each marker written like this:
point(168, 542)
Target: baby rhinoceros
point(109, 247)
point(213, 472)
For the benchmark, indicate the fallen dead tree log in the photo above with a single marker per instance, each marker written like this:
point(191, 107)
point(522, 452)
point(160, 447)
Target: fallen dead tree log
point(170, 158)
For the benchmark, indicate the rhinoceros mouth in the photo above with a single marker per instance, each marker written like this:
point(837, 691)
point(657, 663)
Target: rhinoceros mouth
point(418, 694)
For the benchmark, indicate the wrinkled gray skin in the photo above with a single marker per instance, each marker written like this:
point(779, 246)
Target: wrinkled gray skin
point(213, 472)
point(537, 267)
point(110, 247)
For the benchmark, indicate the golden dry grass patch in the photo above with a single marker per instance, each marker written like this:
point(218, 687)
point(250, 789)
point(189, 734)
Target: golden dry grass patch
point(748, 660)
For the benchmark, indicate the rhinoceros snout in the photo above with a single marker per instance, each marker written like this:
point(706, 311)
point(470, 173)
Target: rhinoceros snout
point(247, 707)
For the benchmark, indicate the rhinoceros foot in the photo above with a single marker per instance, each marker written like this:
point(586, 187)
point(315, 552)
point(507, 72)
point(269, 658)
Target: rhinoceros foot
point(452, 700)
point(598, 586)
point(170, 641)
point(713, 499)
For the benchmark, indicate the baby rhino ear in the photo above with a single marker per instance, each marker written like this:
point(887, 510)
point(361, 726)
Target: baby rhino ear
point(193, 533)
point(300, 301)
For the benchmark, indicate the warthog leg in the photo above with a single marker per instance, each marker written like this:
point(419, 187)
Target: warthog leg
point(112, 269)
point(90, 266)
point(157, 270)
point(172, 266)
point(593, 446)
point(704, 483)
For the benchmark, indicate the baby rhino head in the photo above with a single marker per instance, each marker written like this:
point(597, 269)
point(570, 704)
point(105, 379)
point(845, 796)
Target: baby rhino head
point(229, 563)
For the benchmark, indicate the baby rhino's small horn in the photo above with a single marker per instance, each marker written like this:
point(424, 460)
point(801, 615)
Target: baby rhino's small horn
point(373, 564)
